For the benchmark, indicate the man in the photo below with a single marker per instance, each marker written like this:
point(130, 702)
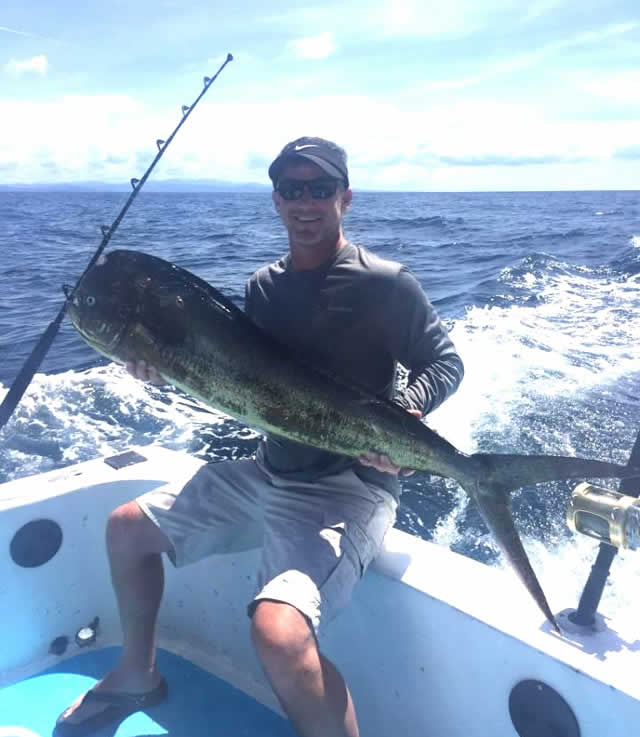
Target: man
point(320, 517)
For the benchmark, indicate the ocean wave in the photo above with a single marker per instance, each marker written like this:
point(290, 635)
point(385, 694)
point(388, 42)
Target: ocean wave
point(416, 221)
point(533, 271)
point(73, 416)
point(628, 262)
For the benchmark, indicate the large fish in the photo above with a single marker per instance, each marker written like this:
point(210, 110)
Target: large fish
point(132, 306)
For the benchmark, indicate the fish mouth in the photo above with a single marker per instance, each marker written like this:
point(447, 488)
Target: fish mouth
point(96, 336)
point(100, 334)
point(101, 337)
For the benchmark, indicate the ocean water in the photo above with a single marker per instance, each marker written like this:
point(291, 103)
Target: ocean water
point(540, 292)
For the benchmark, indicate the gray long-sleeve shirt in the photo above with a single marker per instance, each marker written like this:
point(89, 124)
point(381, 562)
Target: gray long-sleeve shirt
point(357, 316)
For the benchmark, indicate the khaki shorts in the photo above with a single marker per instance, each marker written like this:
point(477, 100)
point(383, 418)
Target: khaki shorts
point(317, 537)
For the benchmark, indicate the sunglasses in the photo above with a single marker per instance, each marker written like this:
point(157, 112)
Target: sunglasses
point(320, 189)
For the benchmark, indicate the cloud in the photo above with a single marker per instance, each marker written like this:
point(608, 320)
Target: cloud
point(384, 19)
point(625, 84)
point(441, 146)
point(430, 18)
point(19, 33)
point(313, 47)
point(79, 129)
point(96, 166)
point(27, 34)
point(113, 159)
point(621, 85)
point(631, 153)
point(258, 162)
point(35, 65)
point(540, 8)
point(497, 160)
point(52, 166)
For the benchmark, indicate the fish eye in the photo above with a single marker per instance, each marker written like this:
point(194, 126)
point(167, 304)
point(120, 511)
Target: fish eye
point(90, 301)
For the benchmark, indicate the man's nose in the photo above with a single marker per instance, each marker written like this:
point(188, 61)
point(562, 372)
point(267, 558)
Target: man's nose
point(306, 193)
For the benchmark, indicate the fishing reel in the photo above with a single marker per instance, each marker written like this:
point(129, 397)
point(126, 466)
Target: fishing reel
point(605, 515)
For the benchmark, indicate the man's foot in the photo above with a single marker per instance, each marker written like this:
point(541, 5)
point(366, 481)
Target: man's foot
point(110, 701)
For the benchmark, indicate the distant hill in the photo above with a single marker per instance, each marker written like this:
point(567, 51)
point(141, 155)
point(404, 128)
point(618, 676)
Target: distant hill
point(166, 185)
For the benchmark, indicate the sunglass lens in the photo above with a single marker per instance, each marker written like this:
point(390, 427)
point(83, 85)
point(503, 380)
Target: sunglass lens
point(320, 189)
point(290, 190)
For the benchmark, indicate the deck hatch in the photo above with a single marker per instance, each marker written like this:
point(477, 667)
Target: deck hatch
point(537, 710)
point(35, 543)
point(122, 460)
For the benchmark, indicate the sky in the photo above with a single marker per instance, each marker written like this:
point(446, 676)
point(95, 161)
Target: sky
point(456, 95)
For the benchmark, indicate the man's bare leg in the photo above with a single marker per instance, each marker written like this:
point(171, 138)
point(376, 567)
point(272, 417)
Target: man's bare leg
point(311, 691)
point(134, 545)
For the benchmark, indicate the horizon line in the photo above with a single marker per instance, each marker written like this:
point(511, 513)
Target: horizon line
point(214, 185)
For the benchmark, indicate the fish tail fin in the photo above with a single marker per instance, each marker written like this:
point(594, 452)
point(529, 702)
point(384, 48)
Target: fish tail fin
point(493, 479)
point(512, 472)
point(494, 503)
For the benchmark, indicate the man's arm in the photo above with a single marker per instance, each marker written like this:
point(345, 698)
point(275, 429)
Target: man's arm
point(418, 340)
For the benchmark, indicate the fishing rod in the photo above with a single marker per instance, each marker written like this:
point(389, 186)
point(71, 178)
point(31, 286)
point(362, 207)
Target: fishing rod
point(31, 365)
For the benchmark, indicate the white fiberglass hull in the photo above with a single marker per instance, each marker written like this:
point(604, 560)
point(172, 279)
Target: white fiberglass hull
point(433, 643)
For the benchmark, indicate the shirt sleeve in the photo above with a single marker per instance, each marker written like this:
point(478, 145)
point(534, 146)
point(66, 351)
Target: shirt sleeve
point(247, 297)
point(420, 342)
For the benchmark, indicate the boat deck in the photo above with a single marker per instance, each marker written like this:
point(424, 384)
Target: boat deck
point(440, 623)
point(199, 704)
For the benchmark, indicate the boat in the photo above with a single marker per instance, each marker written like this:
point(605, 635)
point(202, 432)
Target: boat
point(433, 644)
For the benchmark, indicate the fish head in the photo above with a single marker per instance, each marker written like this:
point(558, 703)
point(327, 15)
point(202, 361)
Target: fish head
point(104, 301)
point(130, 303)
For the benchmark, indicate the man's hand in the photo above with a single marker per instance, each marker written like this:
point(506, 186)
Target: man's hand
point(143, 371)
point(382, 462)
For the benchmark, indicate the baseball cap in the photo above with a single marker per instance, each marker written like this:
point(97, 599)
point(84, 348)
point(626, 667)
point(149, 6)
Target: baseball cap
point(330, 157)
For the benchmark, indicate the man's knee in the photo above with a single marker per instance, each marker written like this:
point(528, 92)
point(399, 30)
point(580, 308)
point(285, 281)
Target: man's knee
point(129, 530)
point(281, 633)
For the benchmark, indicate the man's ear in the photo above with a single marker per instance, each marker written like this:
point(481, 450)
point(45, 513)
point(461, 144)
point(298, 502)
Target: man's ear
point(276, 200)
point(346, 199)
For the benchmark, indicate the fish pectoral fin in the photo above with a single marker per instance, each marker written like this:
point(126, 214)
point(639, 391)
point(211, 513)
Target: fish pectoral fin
point(367, 402)
point(495, 507)
point(144, 333)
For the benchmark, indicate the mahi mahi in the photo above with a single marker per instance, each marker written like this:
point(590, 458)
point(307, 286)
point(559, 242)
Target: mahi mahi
point(132, 306)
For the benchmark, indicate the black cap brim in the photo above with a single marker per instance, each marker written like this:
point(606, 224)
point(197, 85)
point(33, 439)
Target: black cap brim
point(279, 163)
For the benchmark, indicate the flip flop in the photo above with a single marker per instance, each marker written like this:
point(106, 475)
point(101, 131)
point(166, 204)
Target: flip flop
point(119, 706)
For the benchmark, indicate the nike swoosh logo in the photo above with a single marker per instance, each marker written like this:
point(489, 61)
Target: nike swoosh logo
point(306, 145)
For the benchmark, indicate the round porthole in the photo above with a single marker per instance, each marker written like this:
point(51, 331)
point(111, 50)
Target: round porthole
point(36, 543)
point(538, 711)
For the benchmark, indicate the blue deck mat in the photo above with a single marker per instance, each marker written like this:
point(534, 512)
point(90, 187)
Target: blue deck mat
point(199, 704)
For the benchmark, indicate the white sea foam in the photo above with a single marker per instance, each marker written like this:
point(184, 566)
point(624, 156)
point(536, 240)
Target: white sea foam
point(635, 241)
point(74, 416)
point(580, 334)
